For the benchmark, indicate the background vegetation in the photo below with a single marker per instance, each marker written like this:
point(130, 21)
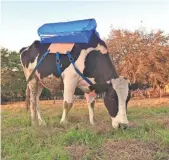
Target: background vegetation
point(140, 56)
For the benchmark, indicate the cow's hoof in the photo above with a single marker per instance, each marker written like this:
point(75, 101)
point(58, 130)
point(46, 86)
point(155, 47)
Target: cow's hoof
point(92, 123)
point(64, 122)
point(33, 123)
point(42, 123)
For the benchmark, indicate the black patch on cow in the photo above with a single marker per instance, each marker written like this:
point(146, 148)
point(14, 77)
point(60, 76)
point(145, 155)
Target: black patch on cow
point(111, 102)
point(100, 88)
point(99, 67)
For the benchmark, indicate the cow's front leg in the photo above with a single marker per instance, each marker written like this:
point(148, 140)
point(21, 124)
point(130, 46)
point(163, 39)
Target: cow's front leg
point(91, 102)
point(66, 108)
point(69, 89)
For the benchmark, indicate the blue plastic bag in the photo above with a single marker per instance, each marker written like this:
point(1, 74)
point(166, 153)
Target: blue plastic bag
point(68, 32)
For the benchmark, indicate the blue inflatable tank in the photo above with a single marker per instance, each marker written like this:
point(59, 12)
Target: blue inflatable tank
point(79, 31)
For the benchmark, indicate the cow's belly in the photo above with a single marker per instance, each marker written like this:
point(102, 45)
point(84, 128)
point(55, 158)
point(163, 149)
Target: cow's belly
point(51, 82)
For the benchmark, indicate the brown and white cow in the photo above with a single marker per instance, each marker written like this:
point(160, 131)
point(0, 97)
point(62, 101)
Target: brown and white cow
point(93, 61)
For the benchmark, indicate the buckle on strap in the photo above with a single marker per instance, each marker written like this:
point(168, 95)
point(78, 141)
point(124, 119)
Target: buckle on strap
point(71, 59)
point(58, 66)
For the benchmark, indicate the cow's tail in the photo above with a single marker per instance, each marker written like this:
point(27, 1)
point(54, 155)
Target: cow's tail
point(27, 100)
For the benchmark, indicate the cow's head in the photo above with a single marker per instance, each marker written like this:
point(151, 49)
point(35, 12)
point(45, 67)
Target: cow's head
point(116, 100)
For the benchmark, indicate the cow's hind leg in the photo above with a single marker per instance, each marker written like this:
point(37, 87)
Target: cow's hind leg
point(27, 100)
point(91, 102)
point(33, 94)
point(69, 90)
point(40, 120)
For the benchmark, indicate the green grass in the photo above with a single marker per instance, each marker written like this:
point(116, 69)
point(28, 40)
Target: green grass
point(78, 139)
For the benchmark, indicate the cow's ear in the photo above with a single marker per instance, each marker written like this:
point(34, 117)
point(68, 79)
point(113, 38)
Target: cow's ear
point(132, 86)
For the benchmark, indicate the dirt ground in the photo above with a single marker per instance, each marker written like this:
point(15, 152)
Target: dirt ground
point(152, 102)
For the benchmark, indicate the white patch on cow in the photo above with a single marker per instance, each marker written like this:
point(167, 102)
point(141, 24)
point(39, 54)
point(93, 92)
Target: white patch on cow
point(31, 67)
point(21, 60)
point(91, 114)
point(108, 82)
point(120, 85)
point(71, 77)
point(21, 57)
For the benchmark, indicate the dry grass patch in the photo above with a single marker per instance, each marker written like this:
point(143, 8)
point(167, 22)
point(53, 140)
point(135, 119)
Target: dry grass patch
point(132, 150)
point(77, 152)
point(149, 102)
point(164, 121)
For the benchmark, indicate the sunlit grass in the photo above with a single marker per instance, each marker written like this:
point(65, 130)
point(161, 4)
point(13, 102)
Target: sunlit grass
point(20, 141)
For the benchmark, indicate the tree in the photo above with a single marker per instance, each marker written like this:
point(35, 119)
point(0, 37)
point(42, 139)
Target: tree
point(140, 56)
point(12, 78)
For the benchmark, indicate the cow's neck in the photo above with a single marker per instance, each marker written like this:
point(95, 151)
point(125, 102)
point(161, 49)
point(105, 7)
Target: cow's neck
point(99, 67)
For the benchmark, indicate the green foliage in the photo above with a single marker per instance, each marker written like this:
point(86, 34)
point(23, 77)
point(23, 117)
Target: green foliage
point(12, 77)
point(85, 137)
point(45, 93)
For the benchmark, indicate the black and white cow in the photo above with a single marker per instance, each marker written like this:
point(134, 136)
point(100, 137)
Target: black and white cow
point(93, 61)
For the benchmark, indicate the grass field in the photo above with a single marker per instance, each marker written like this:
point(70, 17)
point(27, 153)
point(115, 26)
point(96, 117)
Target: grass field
point(147, 138)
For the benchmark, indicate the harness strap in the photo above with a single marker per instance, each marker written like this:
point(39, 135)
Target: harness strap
point(71, 60)
point(58, 64)
point(39, 62)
